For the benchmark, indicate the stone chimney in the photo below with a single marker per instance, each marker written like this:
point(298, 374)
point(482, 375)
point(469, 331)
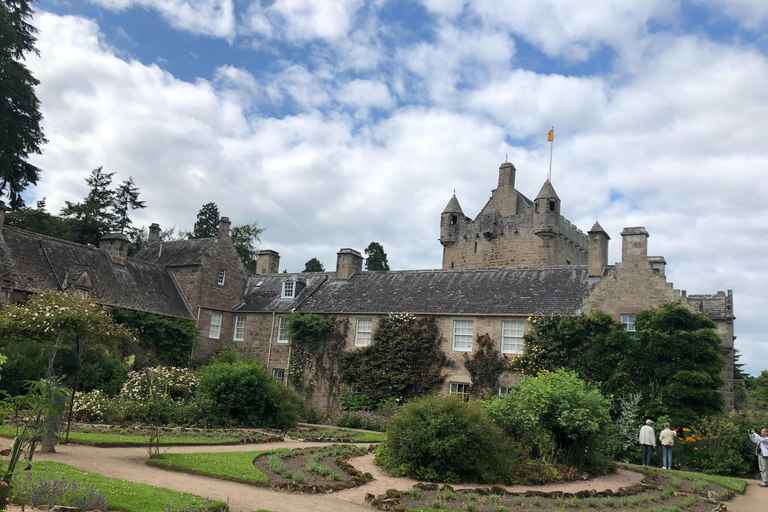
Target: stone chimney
point(267, 262)
point(154, 233)
point(658, 265)
point(348, 262)
point(505, 196)
point(223, 228)
point(116, 245)
point(634, 246)
point(598, 250)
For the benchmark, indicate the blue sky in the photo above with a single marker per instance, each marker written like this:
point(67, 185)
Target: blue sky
point(337, 123)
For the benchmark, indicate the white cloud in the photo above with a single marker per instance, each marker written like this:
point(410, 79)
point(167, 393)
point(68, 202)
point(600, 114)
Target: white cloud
point(365, 94)
point(752, 14)
point(208, 17)
point(301, 20)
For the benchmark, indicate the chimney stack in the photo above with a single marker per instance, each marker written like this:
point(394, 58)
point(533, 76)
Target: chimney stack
point(267, 262)
point(116, 245)
point(154, 233)
point(223, 228)
point(634, 246)
point(348, 262)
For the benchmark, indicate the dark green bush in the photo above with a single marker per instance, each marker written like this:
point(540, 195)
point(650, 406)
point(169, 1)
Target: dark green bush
point(444, 439)
point(103, 371)
point(244, 394)
point(26, 361)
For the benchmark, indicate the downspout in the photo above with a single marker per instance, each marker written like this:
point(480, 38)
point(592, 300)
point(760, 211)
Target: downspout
point(269, 348)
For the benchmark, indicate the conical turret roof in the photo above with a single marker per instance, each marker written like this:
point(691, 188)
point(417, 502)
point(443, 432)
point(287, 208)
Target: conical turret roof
point(547, 191)
point(597, 228)
point(453, 206)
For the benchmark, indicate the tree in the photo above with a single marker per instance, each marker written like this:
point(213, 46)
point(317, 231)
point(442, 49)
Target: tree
point(126, 198)
point(94, 216)
point(207, 224)
point(20, 130)
point(313, 265)
point(244, 237)
point(38, 220)
point(485, 366)
point(376, 257)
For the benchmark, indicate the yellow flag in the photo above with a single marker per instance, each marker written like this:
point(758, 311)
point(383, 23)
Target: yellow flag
point(551, 135)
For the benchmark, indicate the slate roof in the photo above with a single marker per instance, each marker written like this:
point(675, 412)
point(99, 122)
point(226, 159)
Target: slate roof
point(177, 253)
point(32, 262)
point(512, 291)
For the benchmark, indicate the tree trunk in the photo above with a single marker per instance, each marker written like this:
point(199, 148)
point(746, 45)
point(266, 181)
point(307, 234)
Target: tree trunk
point(52, 425)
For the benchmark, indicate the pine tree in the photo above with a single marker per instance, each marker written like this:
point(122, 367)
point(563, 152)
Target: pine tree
point(94, 217)
point(244, 237)
point(207, 225)
point(314, 265)
point(126, 199)
point(376, 257)
point(20, 130)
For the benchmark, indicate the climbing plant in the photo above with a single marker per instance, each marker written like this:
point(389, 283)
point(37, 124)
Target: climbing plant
point(403, 361)
point(485, 365)
point(316, 346)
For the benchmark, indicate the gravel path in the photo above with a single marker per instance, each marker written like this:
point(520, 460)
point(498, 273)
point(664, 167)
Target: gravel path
point(128, 464)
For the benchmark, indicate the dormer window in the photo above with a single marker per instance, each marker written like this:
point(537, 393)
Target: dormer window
point(222, 276)
point(289, 288)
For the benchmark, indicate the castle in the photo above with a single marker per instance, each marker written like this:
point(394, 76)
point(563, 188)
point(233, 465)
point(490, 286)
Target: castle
point(518, 257)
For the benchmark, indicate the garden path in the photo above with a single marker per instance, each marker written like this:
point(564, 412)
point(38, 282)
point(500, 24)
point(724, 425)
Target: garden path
point(128, 464)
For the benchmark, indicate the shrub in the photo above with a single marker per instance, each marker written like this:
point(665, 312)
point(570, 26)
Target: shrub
point(361, 419)
point(167, 383)
point(444, 439)
point(244, 394)
point(354, 401)
point(559, 416)
point(46, 490)
point(716, 445)
point(103, 371)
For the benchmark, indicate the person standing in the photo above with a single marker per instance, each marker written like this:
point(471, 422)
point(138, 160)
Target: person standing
point(761, 450)
point(667, 440)
point(648, 440)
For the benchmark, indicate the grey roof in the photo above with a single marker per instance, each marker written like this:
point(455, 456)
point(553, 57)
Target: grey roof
point(176, 253)
point(547, 191)
point(597, 228)
point(453, 206)
point(513, 291)
point(31, 262)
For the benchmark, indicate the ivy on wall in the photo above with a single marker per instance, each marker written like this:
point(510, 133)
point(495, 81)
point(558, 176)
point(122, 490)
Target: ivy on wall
point(163, 339)
point(403, 361)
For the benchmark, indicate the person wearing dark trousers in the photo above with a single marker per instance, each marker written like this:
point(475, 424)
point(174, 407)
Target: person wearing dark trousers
point(647, 439)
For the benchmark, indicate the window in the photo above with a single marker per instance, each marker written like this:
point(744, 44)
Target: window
point(551, 206)
point(239, 328)
point(628, 323)
point(512, 337)
point(503, 391)
point(288, 288)
point(454, 219)
point(222, 276)
point(279, 374)
point(282, 331)
point(461, 389)
point(215, 329)
point(363, 332)
point(462, 334)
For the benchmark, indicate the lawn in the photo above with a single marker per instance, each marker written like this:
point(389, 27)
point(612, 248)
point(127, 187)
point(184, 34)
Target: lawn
point(122, 495)
point(106, 440)
point(734, 484)
point(235, 466)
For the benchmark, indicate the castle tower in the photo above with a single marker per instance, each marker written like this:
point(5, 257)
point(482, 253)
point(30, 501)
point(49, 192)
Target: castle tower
point(598, 250)
point(449, 222)
point(546, 212)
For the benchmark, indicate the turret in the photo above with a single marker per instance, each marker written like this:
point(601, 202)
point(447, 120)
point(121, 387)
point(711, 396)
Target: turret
point(598, 250)
point(546, 211)
point(449, 222)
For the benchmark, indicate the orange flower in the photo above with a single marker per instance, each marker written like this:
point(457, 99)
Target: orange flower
point(695, 448)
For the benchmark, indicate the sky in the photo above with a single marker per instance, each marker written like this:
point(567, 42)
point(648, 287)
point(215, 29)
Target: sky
point(335, 123)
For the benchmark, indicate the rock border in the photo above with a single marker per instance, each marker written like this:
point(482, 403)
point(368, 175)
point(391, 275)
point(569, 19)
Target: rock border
point(358, 477)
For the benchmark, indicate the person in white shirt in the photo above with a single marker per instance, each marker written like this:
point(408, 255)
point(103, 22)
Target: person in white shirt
point(647, 438)
point(761, 450)
point(667, 440)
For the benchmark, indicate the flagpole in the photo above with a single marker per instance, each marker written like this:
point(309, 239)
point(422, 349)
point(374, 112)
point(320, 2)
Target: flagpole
point(551, 147)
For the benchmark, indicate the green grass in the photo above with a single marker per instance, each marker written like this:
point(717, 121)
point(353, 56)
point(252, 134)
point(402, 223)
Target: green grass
point(235, 466)
point(734, 484)
point(370, 437)
point(122, 495)
point(123, 439)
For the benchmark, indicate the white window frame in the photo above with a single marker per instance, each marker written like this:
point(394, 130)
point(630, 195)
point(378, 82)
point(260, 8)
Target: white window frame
point(239, 328)
point(463, 333)
point(279, 374)
point(628, 321)
point(214, 330)
point(363, 331)
point(222, 276)
point(459, 389)
point(512, 332)
point(289, 289)
point(504, 391)
point(282, 330)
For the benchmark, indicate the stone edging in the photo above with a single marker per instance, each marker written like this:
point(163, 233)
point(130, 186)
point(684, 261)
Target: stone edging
point(358, 477)
point(391, 499)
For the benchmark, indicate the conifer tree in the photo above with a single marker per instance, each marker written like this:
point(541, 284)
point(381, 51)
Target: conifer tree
point(313, 265)
point(207, 224)
point(376, 257)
